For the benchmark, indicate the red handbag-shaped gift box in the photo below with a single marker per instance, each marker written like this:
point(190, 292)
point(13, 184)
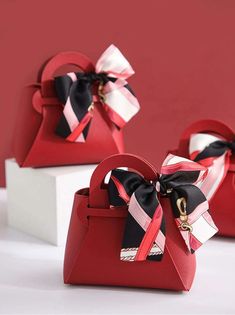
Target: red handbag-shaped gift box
point(138, 242)
point(75, 118)
point(211, 143)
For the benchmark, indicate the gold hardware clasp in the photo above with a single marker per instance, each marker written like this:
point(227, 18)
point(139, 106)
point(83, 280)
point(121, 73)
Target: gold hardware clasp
point(181, 205)
point(91, 107)
point(100, 93)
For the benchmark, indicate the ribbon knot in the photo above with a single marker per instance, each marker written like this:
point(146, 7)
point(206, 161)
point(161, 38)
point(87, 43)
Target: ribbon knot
point(93, 77)
point(214, 153)
point(211, 146)
point(79, 92)
point(163, 188)
point(231, 146)
point(145, 232)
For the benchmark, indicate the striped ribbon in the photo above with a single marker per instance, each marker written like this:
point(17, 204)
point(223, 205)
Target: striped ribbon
point(80, 91)
point(145, 231)
point(214, 153)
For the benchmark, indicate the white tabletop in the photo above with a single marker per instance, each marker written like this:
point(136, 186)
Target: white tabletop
point(31, 282)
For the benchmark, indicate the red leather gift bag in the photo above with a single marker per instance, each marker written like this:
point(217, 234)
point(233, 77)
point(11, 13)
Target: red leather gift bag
point(75, 118)
point(122, 245)
point(211, 143)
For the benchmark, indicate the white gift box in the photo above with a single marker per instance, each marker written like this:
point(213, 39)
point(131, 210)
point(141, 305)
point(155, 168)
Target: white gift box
point(40, 200)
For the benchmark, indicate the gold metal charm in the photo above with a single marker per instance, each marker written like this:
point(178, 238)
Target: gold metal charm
point(181, 204)
point(91, 107)
point(100, 93)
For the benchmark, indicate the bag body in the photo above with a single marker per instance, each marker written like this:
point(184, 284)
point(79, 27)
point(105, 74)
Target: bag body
point(36, 144)
point(92, 254)
point(223, 200)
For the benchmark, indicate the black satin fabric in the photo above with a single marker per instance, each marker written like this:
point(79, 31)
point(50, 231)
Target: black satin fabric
point(173, 186)
point(80, 93)
point(146, 196)
point(215, 149)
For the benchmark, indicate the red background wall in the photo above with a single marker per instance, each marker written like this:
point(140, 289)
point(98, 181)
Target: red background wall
point(183, 53)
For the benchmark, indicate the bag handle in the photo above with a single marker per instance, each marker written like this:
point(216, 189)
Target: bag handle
point(59, 60)
point(208, 125)
point(98, 197)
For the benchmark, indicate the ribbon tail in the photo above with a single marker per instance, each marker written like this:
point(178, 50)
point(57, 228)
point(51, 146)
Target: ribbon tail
point(149, 248)
point(194, 222)
point(203, 227)
point(63, 85)
point(144, 233)
point(77, 99)
point(143, 237)
point(76, 135)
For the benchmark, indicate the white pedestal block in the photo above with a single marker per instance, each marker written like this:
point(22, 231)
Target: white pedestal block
point(40, 200)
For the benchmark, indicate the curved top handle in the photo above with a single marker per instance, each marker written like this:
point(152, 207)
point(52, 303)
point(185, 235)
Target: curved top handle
point(59, 60)
point(208, 125)
point(98, 197)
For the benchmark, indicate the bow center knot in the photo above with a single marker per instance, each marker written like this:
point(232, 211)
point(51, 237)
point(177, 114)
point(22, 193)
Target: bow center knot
point(145, 229)
point(163, 188)
point(93, 77)
point(231, 146)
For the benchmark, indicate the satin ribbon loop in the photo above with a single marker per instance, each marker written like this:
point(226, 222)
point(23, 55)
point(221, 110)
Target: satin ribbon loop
point(216, 148)
point(108, 82)
point(145, 235)
point(93, 77)
point(213, 152)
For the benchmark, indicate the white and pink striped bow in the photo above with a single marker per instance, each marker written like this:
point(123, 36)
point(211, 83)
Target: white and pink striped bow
point(75, 91)
point(213, 152)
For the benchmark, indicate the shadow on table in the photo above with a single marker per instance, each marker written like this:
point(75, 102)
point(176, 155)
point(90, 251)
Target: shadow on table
point(47, 274)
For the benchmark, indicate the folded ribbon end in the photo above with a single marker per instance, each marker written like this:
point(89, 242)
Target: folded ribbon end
point(78, 135)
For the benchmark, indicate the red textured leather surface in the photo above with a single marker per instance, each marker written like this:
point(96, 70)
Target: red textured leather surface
point(95, 237)
point(222, 205)
point(35, 141)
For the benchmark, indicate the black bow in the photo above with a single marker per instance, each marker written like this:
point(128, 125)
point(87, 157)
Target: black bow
point(215, 149)
point(144, 236)
point(79, 90)
point(80, 93)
